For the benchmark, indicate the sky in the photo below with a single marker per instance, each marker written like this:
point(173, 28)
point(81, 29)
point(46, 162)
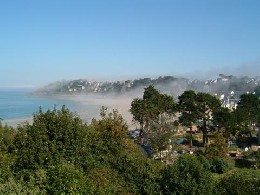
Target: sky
point(42, 41)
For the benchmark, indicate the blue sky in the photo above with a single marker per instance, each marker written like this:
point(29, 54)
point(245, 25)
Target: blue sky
point(47, 40)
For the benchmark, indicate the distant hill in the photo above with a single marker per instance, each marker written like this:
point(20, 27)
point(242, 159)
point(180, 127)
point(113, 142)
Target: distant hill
point(167, 84)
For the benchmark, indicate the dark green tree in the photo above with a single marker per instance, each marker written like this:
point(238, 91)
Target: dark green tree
point(140, 111)
point(238, 183)
point(248, 110)
point(257, 91)
point(207, 105)
point(151, 107)
point(225, 119)
point(188, 108)
point(187, 176)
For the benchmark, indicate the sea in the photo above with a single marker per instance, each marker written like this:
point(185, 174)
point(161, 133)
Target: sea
point(18, 105)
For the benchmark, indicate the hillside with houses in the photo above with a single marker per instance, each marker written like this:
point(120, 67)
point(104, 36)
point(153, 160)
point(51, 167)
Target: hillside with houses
point(227, 88)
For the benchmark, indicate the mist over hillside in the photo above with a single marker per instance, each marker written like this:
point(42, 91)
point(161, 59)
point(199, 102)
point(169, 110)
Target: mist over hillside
point(166, 84)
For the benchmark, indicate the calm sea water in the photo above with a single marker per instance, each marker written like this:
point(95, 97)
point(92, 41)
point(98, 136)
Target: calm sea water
point(17, 103)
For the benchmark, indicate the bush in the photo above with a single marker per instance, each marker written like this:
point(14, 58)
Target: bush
point(18, 187)
point(245, 163)
point(67, 179)
point(220, 165)
point(187, 176)
point(238, 183)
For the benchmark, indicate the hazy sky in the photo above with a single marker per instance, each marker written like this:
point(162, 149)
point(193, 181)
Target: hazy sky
point(47, 40)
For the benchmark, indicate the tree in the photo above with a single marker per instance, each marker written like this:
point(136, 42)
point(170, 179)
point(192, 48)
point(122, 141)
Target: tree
point(122, 167)
point(139, 110)
point(65, 178)
point(111, 124)
point(225, 118)
point(187, 176)
point(161, 134)
point(155, 112)
point(188, 108)
point(257, 91)
point(248, 110)
point(218, 149)
point(238, 183)
point(151, 107)
point(54, 136)
point(206, 106)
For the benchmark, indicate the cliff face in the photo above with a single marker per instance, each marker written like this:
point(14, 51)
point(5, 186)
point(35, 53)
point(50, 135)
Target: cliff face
point(167, 84)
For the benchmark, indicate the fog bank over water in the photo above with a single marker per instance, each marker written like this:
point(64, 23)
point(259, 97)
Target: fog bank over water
point(122, 103)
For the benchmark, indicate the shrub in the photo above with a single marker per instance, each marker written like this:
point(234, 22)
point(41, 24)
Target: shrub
point(187, 176)
point(67, 179)
point(220, 165)
point(239, 183)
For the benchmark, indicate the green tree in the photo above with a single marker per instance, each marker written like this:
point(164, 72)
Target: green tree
point(139, 110)
point(155, 112)
point(151, 107)
point(65, 178)
point(257, 91)
point(187, 176)
point(7, 135)
point(206, 106)
point(188, 108)
point(53, 137)
point(225, 118)
point(238, 183)
point(248, 110)
point(218, 149)
point(126, 168)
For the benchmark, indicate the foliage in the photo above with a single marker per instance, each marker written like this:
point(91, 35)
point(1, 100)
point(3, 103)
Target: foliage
point(155, 112)
point(257, 91)
point(151, 106)
point(141, 174)
point(60, 154)
point(7, 135)
point(194, 107)
point(248, 109)
point(224, 117)
point(238, 183)
point(53, 137)
point(111, 124)
point(139, 110)
point(206, 106)
point(203, 160)
point(188, 108)
point(187, 176)
point(65, 178)
point(123, 159)
point(220, 165)
point(218, 149)
point(104, 180)
point(161, 133)
point(11, 186)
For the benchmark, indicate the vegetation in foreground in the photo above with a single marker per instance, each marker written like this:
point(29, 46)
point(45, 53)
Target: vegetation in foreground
point(60, 154)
